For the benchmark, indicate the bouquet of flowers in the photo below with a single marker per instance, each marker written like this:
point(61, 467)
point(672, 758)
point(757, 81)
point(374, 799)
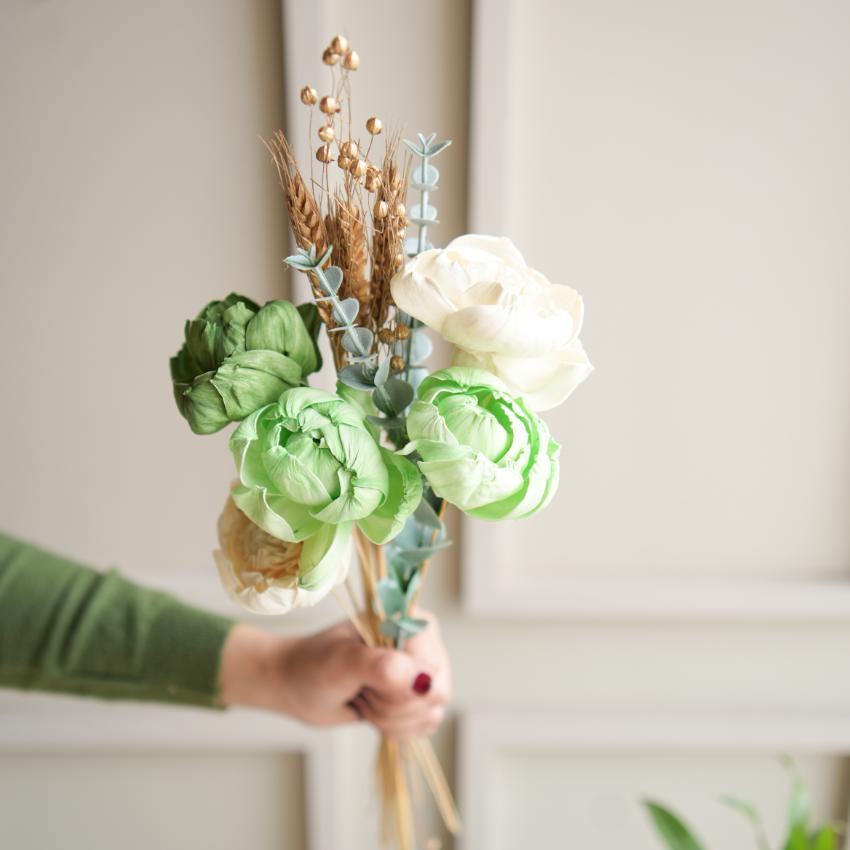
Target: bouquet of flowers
point(371, 468)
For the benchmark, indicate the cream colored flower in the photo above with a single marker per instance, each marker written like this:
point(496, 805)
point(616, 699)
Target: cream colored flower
point(271, 576)
point(502, 316)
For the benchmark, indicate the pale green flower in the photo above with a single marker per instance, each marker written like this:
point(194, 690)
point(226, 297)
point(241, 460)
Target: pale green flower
point(238, 356)
point(309, 460)
point(482, 449)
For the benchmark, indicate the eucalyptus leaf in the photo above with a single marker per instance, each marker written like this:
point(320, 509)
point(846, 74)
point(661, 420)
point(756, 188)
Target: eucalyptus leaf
point(388, 423)
point(356, 376)
point(391, 630)
point(421, 553)
point(428, 215)
point(411, 246)
point(421, 346)
point(332, 279)
point(392, 599)
point(412, 625)
point(383, 372)
point(419, 149)
point(675, 833)
point(427, 516)
point(345, 311)
point(434, 149)
point(357, 340)
point(400, 393)
point(383, 402)
point(300, 262)
point(425, 175)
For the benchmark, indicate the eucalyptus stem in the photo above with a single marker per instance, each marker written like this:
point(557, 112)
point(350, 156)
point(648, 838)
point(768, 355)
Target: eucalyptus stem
point(423, 205)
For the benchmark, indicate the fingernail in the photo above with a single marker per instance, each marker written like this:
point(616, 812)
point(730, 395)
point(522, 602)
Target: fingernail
point(422, 684)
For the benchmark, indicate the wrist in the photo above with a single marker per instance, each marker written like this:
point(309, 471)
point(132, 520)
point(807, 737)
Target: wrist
point(252, 662)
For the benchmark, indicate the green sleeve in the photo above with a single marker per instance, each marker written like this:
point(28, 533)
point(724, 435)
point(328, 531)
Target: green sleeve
point(67, 628)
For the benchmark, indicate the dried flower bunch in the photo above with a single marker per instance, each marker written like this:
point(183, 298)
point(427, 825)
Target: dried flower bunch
point(355, 202)
point(371, 467)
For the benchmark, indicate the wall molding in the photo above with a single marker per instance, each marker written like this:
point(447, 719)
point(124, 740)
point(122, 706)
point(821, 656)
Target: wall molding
point(39, 723)
point(485, 734)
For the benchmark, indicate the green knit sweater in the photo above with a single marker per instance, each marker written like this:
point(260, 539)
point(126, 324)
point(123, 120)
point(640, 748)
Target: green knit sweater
point(67, 628)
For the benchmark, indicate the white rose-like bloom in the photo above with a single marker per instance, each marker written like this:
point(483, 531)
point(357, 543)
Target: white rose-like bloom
point(500, 314)
point(260, 572)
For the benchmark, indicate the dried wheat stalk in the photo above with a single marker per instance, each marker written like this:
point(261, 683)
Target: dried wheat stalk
point(388, 237)
point(352, 253)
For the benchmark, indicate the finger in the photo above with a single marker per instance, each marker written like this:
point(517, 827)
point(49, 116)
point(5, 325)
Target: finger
point(419, 727)
point(395, 675)
point(395, 712)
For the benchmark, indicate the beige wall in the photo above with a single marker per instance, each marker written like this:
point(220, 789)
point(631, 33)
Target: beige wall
point(134, 189)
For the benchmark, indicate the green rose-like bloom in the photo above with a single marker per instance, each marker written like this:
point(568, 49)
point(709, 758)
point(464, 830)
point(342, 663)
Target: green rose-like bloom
point(481, 448)
point(309, 460)
point(238, 356)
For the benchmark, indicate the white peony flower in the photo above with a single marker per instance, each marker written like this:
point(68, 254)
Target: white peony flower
point(500, 314)
point(261, 573)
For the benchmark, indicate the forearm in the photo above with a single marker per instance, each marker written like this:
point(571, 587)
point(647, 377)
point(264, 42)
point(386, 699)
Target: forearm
point(67, 628)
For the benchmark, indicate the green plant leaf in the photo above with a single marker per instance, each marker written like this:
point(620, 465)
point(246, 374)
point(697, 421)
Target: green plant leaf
point(797, 839)
point(799, 806)
point(824, 839)
point(751, 814)
point(676, 835)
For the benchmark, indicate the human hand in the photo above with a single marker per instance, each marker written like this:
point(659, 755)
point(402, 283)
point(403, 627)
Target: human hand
point(332, 677)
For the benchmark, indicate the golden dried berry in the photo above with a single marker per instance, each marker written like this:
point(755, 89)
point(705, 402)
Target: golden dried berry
point(381, 209)
point(326, 133)
point(397, 363)
point(373, 183)
point(330, 57)
point(309, 95)
point(400, 210)
point(349, 149)
point(374, 125)
point(399, 260)
point(328, 105)
point(386, 336)
point(344, 162)
point(323, 154)
point(402, 332)
point(352, 60)
point(358, 168)
point(339, 44)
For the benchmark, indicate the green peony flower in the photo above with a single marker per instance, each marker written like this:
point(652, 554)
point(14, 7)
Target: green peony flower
point(309, 460)
point(238, 356)
point(482, 449)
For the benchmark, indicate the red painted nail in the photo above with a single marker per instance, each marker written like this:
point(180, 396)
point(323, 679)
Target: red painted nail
point(422, 684)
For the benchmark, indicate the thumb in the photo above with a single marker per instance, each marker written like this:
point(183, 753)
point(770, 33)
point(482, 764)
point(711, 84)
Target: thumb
point(390, 673)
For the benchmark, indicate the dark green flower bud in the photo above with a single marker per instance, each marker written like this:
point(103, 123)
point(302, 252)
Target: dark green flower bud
point(238, 356)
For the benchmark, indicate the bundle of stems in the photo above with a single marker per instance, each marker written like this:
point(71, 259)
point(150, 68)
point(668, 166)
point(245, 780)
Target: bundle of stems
point(396, 759)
